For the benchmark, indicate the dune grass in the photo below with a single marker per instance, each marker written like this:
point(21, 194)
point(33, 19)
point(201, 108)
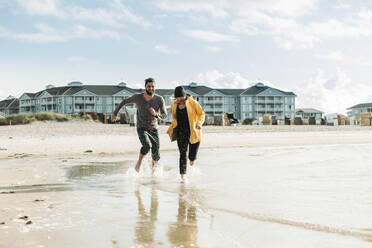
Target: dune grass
point(18, 119)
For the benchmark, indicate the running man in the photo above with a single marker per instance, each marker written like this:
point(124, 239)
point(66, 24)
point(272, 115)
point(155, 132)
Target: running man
point(148, 106)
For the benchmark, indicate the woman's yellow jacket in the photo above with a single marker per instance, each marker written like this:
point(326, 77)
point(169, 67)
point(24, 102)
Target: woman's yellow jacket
point(196, 118)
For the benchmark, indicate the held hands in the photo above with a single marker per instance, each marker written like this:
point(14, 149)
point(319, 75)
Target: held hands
point(113, 118)
point(197, 127)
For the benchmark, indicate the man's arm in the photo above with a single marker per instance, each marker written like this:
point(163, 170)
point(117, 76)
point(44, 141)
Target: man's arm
point(163, 111)
point(124, 102)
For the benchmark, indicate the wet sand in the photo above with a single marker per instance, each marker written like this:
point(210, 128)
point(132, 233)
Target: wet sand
point(295, 187)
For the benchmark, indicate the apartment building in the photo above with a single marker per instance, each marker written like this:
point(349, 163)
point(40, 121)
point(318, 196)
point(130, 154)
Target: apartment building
point(356, 110)
point(76, 98)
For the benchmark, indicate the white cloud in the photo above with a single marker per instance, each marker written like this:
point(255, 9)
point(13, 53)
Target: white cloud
point(42, 7)
point(209, 36)
point(213, 48)
point(332, 93)
point(222, 8)
point(115, 14)
point(216, 79)
point(98, 15)
point(229, 80)
point(44, 34)
point(81, 31)
point(47, 34)
point(126, 14)
point(74, 59)
point(364, 62)
point(352, 28)
point(215, 9)
point(165, 49)
point(343, 6)
point(336, 55)
point(290, 33)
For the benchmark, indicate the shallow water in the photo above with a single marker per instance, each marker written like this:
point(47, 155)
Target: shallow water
point(311, 195)
point(308, 196)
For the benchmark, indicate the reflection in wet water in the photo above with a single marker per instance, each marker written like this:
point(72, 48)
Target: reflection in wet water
point(145, 227)
point(184, 232)
point(78, 172)
point(181, 233)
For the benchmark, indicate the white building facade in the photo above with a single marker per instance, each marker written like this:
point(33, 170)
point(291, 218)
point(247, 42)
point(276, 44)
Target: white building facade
point(76, 98)
point(356, 110)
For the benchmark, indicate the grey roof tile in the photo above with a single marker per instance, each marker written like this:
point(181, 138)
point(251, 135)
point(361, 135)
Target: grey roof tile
point(309, 110)
point(254, 90)
point(199, 90)
point(362, 105)
point(9, 103)
point(234, 92)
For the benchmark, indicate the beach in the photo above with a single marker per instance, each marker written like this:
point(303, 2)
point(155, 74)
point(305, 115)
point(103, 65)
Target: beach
point(73, 185)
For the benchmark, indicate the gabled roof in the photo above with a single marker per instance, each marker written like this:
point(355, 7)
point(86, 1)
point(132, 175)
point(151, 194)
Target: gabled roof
point(309, 110)
point(9, 103)
point(57, 90)
point(5, 103)
point(32, 95)
point(200, 90)
point(362, 105)
point(110, 90)
point(254, 90)
point(96, 89)
point(233, 92)
point(106, 89)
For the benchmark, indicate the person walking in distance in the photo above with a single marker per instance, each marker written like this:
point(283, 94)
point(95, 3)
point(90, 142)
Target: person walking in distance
point(188, 118)
point(148, 105)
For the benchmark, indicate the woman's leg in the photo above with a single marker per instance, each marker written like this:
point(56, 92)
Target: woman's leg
point(193, 152)
point(183, 143)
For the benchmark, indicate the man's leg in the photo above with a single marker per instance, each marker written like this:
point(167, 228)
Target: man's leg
point(193, 152)
point(145, 141)
point(139, 162)
point(155, 146)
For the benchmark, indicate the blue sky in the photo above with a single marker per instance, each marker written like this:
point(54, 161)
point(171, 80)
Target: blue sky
point(316, 48)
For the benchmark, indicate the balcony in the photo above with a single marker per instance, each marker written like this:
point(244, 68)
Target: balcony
point(26, 103)
point(211, 109)
point(220, 100)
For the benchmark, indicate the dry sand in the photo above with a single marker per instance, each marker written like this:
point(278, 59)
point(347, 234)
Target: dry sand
point(73, 138)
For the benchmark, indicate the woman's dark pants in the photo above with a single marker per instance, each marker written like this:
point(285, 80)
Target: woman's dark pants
point(183, 143)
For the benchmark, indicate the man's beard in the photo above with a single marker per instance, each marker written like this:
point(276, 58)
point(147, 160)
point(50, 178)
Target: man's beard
point(149, 93)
